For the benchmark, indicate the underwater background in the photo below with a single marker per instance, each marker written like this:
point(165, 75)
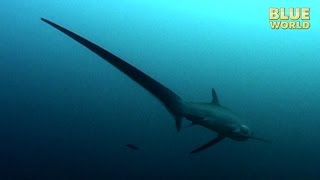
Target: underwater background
point(67, 114)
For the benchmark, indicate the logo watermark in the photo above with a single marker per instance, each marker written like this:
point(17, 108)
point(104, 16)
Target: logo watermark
point(289, 18)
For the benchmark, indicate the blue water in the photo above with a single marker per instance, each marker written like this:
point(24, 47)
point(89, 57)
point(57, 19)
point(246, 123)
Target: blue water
point(67, 114)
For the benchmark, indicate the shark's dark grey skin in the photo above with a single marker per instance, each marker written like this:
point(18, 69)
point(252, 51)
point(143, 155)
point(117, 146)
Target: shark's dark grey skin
point(209, 115)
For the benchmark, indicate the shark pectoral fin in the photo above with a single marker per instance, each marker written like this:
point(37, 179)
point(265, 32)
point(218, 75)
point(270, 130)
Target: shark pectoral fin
point(209, 144)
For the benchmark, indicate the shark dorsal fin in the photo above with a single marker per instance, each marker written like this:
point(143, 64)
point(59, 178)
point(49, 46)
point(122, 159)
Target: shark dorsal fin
point(215, 99)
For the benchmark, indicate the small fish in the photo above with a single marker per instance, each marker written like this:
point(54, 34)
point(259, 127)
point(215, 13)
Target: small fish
point(133, 147)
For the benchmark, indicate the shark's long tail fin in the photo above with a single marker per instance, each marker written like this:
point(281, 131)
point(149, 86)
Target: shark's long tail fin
point(171, 100)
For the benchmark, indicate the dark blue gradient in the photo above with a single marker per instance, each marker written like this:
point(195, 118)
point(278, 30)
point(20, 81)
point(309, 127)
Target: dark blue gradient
point(66, 114)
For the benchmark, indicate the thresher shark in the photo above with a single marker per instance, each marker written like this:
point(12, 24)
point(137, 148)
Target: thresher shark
point(211, 115)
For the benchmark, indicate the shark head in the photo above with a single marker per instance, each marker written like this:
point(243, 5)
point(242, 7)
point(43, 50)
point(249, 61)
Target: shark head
point(242, 133)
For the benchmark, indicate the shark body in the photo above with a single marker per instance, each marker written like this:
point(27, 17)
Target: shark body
point(210, 115)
